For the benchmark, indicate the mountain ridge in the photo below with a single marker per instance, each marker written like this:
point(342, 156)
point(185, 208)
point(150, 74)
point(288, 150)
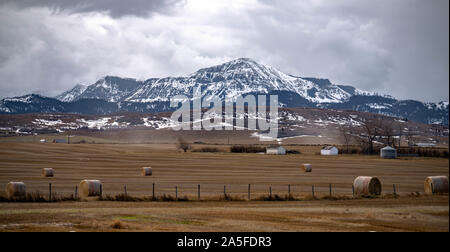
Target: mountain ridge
point(238, 77)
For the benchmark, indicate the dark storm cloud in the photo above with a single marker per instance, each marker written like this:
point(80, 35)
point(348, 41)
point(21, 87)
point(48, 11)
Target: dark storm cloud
point(115, 8)
point(398, 47)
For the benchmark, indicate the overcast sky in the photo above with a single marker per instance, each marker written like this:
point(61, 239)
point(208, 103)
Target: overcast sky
point(397, 47)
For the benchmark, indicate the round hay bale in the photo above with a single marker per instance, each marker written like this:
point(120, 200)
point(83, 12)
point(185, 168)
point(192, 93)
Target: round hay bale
point(437, 184)
point(16, 189)
point(48, 172)
point(307, 167)
point(90, 188)
point(366, 186)
point(147, 171)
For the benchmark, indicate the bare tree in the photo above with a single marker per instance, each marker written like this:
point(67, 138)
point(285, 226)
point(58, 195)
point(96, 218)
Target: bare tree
point(410, 138)
point(346, 134)
point(370, 131)
point(183, 145)
point(388, 131)
point(400, 134)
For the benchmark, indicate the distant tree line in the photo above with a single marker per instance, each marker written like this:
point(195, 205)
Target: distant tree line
point(373, 134)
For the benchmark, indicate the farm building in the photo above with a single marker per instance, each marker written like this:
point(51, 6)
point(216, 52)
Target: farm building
point(59, 141)
point(388, 152)
point(425, 145)
point(276, 150)
point(329, 151)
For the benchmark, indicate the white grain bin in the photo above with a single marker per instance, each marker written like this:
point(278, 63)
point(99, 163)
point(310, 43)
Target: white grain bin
point(90, 188)
point(436, 185)
point(329, 151)
point(48, 172)
point(147, 171)
point(276, 150)
point(388, 153)
point(16, 189)
point(307, 167)
point(366, 186)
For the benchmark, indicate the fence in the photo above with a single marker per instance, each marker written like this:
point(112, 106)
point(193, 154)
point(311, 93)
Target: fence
point(205, 192)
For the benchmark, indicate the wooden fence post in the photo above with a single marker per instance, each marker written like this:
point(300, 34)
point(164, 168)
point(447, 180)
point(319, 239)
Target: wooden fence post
point(249, 195)
point(153, 191)
point(50, 192)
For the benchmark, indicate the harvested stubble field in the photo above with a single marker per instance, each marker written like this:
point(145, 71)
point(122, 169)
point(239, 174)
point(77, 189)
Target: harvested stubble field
point(408, 214)
point(117, 165)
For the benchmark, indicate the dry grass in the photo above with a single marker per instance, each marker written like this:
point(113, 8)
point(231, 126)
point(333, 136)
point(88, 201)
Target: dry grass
point(415, 214)
point(119, 165)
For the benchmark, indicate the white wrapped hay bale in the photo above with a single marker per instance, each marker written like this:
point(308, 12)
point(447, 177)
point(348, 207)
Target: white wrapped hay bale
point(16, 189)
point(307, 167)
point(147, 171)
point(436, 184)
point(48, 172)
point(90, 188)
point(366, 186)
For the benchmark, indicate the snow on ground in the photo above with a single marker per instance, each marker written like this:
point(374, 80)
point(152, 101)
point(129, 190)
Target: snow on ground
point(379, 106)
point(280, 139)
point(43, 122)
point(102, 123)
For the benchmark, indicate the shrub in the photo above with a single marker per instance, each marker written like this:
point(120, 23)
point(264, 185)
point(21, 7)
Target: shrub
point(117, 224)
point(183, 145)
point(247, 149)
point(275, 197)
point(293, 152)
point(207, 149)
point(424, 152)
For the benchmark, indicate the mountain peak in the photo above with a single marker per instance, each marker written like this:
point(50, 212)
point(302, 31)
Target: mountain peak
point(244, 60)
point(234, 64)
point(241, 68)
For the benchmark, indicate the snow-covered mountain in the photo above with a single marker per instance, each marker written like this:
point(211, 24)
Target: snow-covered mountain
point(229, 80)
point(72, 94)
point(238, 77)
point(109, 88)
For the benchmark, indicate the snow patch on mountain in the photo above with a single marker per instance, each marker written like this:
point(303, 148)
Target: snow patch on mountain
point(443, 105)
point(23, 99)
point(72, 94)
